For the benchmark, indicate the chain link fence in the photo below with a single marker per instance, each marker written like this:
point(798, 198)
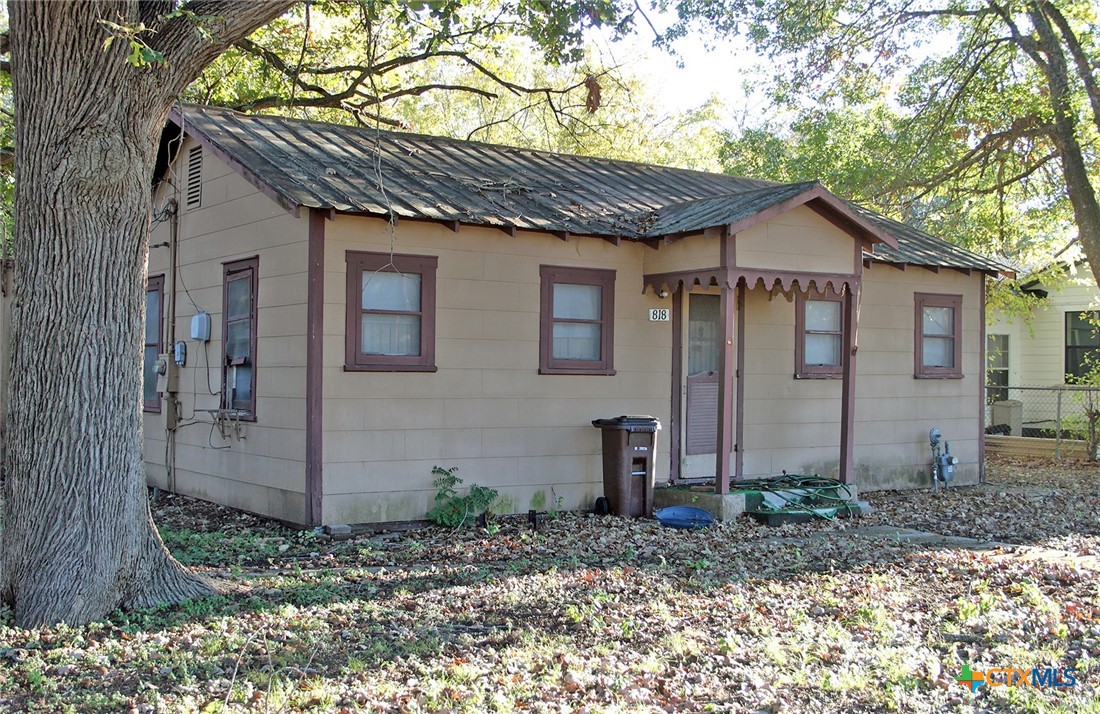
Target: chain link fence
point(1062, 412)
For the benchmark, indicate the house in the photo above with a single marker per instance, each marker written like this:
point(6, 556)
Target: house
point(1052, 342)
point(340, 309)
point(1031, 359)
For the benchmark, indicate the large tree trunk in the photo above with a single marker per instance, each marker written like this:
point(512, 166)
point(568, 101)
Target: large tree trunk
point(1082, 194)
point(78, 540)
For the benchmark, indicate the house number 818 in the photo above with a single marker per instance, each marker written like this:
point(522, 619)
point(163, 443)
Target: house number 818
point(659, 314)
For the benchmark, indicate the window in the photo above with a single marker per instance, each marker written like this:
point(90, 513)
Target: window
point(239, 336)
point(938, 336)
point(154, 322)
point(1082, 342)
point(390, 312)
point(576, 320)
point(819, 338)
point(996, 372)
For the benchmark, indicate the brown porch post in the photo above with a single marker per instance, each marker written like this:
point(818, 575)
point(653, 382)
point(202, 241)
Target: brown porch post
point(674, 425)
point(315, 311)
point(848, 398)
point(739, 439)
point(982, 366)
point(725, 394)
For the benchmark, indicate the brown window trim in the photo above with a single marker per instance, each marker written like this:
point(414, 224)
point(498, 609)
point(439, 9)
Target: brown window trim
point(155, 283)
point(815, 371)
point(229, 272)
point(359, 262)
point(605, 279)
point(921, 301)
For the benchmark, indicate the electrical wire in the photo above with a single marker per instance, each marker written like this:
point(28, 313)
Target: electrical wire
point(210, 438)
point(206, 369)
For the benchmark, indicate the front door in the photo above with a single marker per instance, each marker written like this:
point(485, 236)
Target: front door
point(703, 346)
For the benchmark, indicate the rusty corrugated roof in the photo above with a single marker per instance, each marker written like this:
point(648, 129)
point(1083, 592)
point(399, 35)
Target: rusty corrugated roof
point(367, 171)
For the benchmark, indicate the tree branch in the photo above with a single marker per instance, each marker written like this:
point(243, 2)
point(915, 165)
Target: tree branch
point(990, 144)
point(1003, 183)
point(1080, 59)
point(188, 48)
point(1024, 42)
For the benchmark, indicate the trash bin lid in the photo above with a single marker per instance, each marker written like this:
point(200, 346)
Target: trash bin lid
point(627, 422)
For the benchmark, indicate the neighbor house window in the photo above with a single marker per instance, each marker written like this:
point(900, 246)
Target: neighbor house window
point(154, 323)
point(1082, 342)
point(996, 372)
point(239, 336)
point(390, 312)
point(938, 336)
point(576, 321)
point(819, 335)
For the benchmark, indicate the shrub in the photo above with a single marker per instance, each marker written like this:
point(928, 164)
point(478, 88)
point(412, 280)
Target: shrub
point(452, 509)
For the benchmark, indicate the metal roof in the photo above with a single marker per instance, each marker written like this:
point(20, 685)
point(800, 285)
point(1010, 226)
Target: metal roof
point(718, 210)
point(367, 171)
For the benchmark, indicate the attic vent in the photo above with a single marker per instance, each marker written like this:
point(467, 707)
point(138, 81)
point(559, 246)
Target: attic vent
point(194, 177)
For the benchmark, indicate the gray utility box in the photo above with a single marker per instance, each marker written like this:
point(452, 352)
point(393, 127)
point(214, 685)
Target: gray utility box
point(629, 455)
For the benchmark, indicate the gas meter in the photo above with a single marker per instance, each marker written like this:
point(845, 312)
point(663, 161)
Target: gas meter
point(943, 463)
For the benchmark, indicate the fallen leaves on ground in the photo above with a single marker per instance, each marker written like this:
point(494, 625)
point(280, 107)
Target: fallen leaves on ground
point(601, 614)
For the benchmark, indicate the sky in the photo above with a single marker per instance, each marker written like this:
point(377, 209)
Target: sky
point(687, 80)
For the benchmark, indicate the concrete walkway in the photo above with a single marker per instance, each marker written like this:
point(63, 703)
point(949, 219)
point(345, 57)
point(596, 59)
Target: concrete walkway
point(1008, 551)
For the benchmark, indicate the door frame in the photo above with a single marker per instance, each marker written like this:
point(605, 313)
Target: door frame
point(678, 425)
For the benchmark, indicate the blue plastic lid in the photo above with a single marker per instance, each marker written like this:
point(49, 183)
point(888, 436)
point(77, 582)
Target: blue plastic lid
point(684, 517)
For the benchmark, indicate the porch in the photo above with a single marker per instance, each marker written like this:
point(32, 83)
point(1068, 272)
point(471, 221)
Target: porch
point(778, 271)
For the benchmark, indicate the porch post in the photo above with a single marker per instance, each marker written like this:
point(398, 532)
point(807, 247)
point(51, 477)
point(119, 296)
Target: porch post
point(674, 426)
point(848, 398)
point(739, 433)
point(725, 394)
point(982, 366)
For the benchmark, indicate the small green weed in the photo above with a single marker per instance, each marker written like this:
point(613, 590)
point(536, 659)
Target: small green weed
point(453, 510)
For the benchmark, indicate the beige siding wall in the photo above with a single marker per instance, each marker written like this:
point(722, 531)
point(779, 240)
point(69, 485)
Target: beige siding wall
point(894, 411)
point(794, 424)
point(791, 424)
point(264, 471)
point(691, 253)
point(486, 410)
point(798, 240)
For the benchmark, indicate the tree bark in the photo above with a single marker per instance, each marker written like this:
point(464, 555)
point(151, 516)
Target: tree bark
point(78, 539)
point(1082, 194)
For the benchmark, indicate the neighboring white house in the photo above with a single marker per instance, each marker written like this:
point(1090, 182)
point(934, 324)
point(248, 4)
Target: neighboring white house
point(1046, 351)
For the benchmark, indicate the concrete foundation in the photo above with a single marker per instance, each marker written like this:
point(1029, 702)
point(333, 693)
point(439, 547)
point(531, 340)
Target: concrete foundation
point(721, 507)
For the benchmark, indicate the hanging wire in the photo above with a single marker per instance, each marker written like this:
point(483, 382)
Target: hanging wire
point(177, 195)
point(301, 58)
point(391, 216)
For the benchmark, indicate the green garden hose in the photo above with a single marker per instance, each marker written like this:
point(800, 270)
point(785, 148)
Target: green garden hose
point(806, 490)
